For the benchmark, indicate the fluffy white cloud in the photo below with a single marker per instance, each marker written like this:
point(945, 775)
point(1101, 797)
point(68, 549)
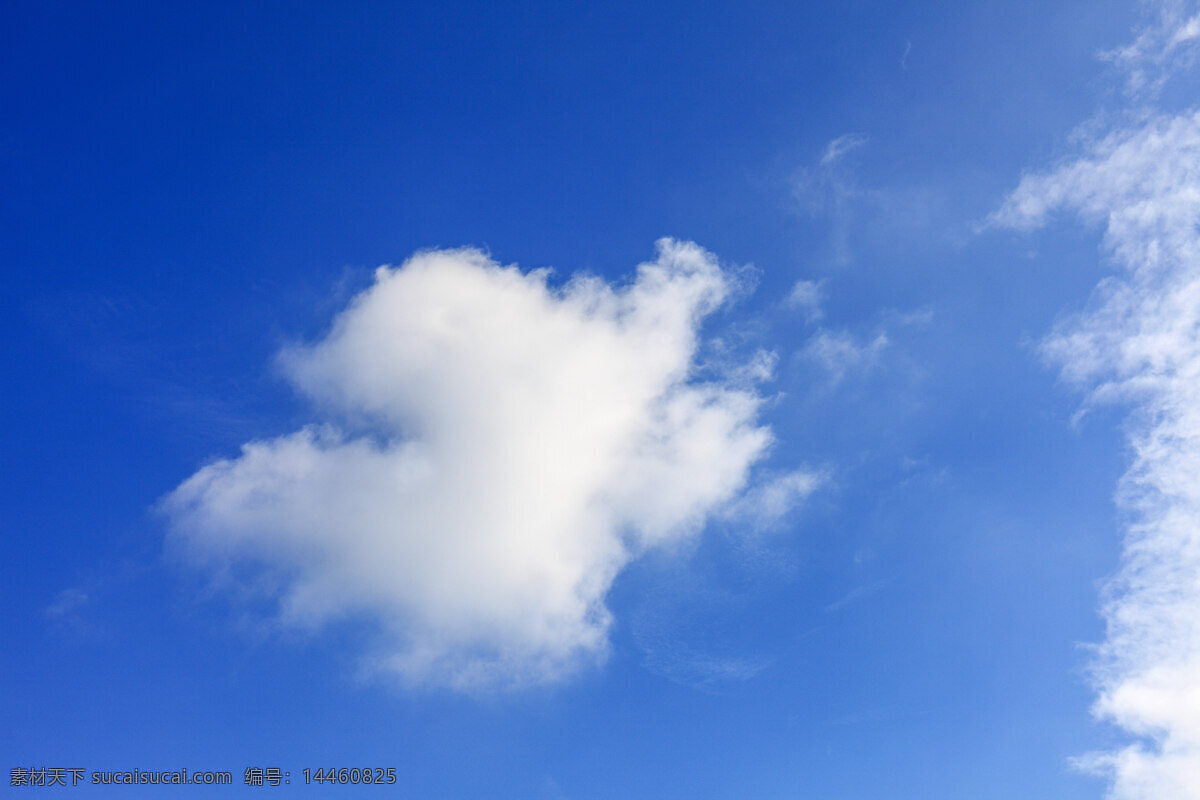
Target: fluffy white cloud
point(495, 451)
point(1139, 342)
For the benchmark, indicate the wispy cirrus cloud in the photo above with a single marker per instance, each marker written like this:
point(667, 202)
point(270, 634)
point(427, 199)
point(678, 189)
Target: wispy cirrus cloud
point(493, 452)
point(1138, 343)
point(829, 189)
point(1161, 49)
point(836, 150)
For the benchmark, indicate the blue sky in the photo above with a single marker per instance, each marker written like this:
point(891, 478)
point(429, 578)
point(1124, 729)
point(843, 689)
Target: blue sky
point(761, 400)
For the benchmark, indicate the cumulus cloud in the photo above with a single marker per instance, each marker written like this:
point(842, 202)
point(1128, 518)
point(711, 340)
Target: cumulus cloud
point(493, 451)
point(1139, 343)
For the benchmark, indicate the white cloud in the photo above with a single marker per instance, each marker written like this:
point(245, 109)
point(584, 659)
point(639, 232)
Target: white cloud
point(727, 364)
point(837, 148)
point(759, 369)
point(829, 189)
point(683, 631)
point(767, 504)
point(855, 595)
point(495, 451)
point(806, 296)
point(1161, 48)
point(1139, 342)
point(695, 669)
point(866, 216)
point(66, 602)
point(840, 353)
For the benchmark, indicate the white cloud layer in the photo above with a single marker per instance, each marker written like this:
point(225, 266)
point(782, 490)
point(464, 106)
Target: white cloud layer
point(497, 450)
point(1139, 342)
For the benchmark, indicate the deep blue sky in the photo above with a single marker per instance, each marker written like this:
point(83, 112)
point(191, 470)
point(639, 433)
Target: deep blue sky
point(189, 186)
